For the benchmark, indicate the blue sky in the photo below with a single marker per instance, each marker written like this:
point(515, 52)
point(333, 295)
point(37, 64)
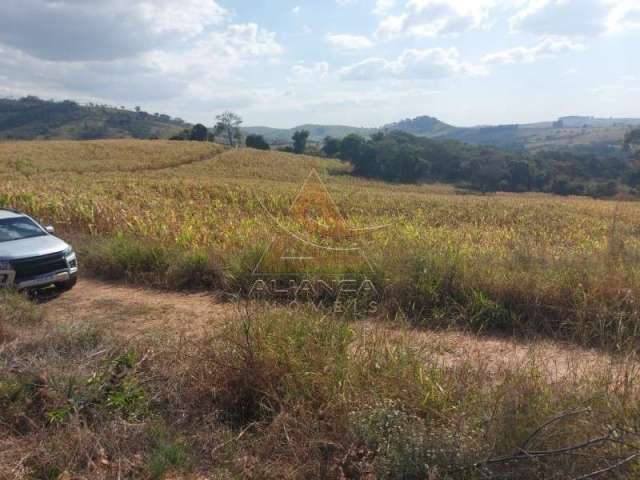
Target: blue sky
point(358, 62)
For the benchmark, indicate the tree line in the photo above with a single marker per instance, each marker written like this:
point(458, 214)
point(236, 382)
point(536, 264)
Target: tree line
point(227, 130)
point(401, 157)
point(405, 158)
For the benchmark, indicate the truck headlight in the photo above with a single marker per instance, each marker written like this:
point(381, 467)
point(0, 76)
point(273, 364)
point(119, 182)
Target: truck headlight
point(70, 257)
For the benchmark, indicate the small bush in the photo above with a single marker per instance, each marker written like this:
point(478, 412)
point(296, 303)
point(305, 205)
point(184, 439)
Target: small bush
point(18, 309)
point(279, 361)
point(153, 264)
point(195, 270)
point(69, 341)
point(400, 444)
point(128, 259)
point(166, 455)
point(258, 142)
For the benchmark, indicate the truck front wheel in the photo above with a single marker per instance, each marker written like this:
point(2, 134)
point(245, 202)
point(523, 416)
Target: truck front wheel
point(68, 285)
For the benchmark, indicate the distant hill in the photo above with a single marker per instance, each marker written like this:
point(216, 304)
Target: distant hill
point(31, 118)
point(585, 122)
point(430, 127)
point(424, 127)
point(567, 132)
point(316, 132)
point(573, 132)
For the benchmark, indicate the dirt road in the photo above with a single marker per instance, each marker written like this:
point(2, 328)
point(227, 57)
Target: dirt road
point(132, 312)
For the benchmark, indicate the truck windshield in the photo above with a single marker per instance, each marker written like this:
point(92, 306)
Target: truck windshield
point(18, 228)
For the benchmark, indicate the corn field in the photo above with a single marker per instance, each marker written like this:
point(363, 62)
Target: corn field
point(563, 266)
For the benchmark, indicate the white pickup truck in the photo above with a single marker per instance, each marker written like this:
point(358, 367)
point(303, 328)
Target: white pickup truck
point(31, 256)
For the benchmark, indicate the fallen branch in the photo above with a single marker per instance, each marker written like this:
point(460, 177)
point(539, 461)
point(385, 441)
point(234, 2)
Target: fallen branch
point(609, 469)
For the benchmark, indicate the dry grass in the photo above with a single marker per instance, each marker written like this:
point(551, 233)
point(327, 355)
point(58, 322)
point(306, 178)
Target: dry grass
point(37, 158)
point(292, 394)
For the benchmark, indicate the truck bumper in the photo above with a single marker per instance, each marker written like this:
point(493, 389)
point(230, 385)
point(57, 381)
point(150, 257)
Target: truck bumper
point(7, 279)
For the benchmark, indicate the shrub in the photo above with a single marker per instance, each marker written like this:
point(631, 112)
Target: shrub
point(199, 133)
point(195, 270)
point(257, 141)
point(18, 309)
point(153, 264)
point(400, 445)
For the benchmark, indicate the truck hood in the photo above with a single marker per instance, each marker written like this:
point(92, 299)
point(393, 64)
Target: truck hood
point(31, 247)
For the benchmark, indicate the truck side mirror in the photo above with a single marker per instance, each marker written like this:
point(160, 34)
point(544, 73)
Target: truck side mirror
point(50, 229)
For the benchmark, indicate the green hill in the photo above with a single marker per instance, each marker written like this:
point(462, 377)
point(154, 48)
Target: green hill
point(316, 132)
point(424, 127)
point(567, 132)
point(31, 118)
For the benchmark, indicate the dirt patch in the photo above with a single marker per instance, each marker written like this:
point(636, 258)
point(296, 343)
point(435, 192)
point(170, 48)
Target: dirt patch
point(134, 312)
point(130, 311)
point(496, 355)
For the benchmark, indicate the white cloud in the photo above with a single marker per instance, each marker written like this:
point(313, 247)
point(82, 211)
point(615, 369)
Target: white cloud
point(126, 50)
point(106, 30)
point(296, 10)
point(548, 47)
point(562, 17)
point(383, 6)
point(414, 63)
point(188, 17)
point(430, 18)
point(158, 75)
point(349, 42)
point(392, 26)
point(624, 15)
point(577, 17)
point(218, 53)
point(303, 73)
point(118, 80)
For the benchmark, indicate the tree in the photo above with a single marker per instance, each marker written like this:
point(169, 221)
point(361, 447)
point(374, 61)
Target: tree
point(520, 176)
point(198, 133)
point(228, 124)
point(485, 173)
point(362, 155)
point(331, 146)
point(183, 135)
point(257, 141)
point(351, 148)
point(603, 189)
point(377, 136)
point(561, 186)
point(632, 147)
point(300, 141)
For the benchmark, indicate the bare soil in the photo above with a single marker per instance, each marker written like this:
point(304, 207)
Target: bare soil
point(134, 312)
point(131, 311)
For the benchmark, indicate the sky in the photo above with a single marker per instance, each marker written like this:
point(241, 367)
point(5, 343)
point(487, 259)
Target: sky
point(283, 63)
